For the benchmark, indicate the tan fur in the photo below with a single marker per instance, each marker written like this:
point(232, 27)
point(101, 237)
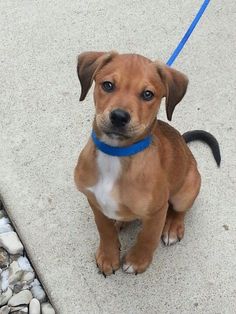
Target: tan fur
point(164, 173)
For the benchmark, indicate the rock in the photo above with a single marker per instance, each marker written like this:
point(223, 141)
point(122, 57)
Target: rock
point(2, 213)
point(23, 297)
point(15, 309)
point(5, 225)
point(34, 307)
point(4, 258)
point(15, 273)
point(18, 278)
point(47, 308)
point(28, 277)
point(35, 283)
point(24, 264)
point(5, 296)
point(19, 286)
point(11, 243)
point(4, 280)
point(23, 311)
point(14, 257)
point(4, 310)
point(38, 293)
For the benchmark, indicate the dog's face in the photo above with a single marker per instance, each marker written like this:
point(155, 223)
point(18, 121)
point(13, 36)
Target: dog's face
point(128, 91)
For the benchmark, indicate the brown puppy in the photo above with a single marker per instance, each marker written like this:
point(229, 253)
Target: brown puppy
point(157, 185)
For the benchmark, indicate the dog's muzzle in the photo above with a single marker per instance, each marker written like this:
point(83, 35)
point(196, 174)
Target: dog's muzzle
point(119, 118)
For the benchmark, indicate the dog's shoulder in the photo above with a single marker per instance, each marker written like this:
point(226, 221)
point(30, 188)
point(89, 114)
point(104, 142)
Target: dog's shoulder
point(165, 129)
point(86, 172)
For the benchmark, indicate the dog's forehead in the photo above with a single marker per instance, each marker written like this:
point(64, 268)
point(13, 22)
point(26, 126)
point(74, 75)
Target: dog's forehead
point(129, 66)
point(132, 59)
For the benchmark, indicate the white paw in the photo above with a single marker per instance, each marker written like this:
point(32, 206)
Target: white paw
point(167, 240)
point(128, 268)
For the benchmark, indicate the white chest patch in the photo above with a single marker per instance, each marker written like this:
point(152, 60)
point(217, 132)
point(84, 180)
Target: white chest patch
point(109, 168)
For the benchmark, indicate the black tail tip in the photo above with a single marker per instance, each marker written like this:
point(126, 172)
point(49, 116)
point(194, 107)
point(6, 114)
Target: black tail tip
point(218, 161)
point(206, 137)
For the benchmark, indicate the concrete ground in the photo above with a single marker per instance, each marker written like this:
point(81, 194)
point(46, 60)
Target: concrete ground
point(43, 127)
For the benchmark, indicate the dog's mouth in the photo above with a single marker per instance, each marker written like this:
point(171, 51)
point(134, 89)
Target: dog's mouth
point(117, 135)
point(122, 133)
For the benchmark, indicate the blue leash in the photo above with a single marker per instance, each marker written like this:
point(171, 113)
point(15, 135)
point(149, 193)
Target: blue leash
point(188, 33)
point(144, 143)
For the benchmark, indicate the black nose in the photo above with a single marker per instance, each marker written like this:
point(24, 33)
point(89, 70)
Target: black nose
point(119, 117)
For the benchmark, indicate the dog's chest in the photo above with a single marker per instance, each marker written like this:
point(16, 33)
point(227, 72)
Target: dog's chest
point(109, 169)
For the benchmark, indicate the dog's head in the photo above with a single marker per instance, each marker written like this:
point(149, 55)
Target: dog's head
point(128, 91)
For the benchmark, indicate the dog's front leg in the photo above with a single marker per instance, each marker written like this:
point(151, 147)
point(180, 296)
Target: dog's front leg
point(108, 252)
point(140, 255)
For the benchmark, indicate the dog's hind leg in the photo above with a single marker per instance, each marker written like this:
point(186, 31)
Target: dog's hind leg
point(179, 203)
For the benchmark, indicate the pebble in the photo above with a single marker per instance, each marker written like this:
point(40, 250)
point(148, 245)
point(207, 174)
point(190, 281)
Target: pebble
point(15, 309)
point(5, 296)
point(4, 283)
point(23, 311)
point(34, 307)
point(38, 291)
point(15, 273)
point(5, 225)
point(11, 243)
point(14, 257)
point(23, 297)
point(24, 263)
point(28, 277)
point(2, 213)
point(47, 308)
point(4, 258)
point(19, 286)
point(5, 310)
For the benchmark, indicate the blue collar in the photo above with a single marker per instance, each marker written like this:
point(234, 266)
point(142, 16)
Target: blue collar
point(122, 151)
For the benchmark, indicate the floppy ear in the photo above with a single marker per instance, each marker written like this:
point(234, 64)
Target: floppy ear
point(87, 66)
point(175, 84)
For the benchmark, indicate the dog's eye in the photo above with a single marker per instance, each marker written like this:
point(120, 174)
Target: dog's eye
point(147, 95)
point(108, 86)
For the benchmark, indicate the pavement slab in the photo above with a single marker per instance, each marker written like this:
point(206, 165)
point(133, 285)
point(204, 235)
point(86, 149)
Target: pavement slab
point(43, 127)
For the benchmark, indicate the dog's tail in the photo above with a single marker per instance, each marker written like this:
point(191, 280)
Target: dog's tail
point(207, 138)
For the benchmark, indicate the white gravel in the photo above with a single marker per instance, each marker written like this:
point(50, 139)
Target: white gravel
point(20, 290)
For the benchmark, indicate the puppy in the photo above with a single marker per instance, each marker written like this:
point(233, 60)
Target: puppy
point(156, 183)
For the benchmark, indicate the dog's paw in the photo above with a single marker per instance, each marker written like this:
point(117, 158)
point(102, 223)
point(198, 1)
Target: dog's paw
point(169, 240)
point(136, 262)
point(173, 231)
point(108, 261)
